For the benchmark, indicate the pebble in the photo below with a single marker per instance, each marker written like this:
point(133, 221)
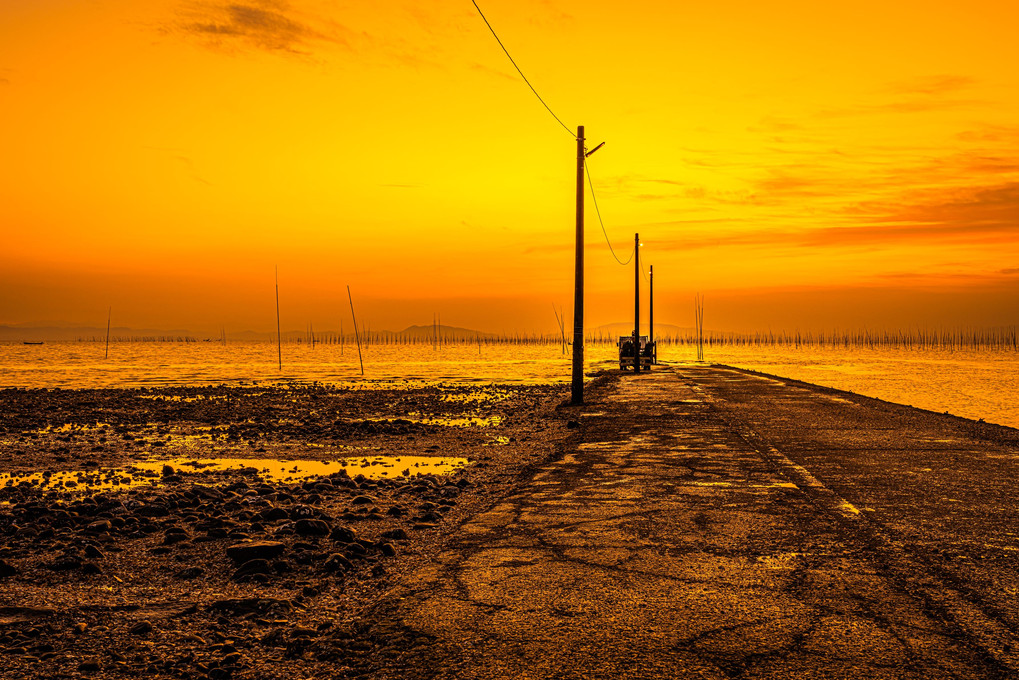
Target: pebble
point(243, 552)
point(140, 628)
point(338, 562)
point(312, 527)
point(343, 535)
point(253, 567)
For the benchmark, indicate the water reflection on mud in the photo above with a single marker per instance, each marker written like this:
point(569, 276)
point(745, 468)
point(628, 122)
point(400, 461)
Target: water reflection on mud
point(159, 472)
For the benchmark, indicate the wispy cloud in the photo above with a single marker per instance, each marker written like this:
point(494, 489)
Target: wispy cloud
point(932, 85)
point(270, 25)
point(916, 95)
point(985, 215)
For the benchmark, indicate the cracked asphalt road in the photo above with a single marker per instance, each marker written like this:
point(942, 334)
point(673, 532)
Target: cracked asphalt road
point(711, 523)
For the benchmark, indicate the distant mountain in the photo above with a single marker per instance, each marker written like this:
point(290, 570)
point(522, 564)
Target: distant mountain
point(425, 332)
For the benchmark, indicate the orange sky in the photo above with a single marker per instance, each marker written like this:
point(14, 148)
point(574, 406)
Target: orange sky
point(802, 164)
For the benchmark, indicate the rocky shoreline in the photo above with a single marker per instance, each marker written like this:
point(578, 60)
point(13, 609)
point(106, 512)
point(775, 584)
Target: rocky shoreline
point(189, 570)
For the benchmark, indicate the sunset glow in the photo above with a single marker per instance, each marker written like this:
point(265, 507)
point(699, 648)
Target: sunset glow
point(801, 165)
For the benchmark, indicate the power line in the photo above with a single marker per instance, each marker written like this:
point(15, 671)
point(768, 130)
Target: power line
point(565, 127)
point(594, 199)
point(641, 260)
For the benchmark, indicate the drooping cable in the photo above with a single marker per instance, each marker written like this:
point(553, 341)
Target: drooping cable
point(594, 200)
point(494, 34)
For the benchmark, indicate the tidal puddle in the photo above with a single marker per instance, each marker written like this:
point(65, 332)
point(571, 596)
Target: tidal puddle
point(180, 398)
point(466, 421)
point(491, 396)
point(150, 473)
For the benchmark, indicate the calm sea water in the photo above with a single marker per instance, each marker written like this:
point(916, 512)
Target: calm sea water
point(973, 384)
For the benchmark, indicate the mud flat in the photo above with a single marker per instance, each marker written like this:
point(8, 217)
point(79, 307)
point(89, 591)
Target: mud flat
point(229, 532)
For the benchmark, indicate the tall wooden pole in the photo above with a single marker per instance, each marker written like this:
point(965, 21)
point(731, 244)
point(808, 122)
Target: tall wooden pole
point(577, 387)
point(651, 313)
point(279, 339)
point(636, 303)
point(109, 315)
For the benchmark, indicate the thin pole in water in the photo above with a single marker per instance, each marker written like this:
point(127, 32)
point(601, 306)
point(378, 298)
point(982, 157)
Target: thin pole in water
point(356, 336)
point(109, 315)
point(279, 339)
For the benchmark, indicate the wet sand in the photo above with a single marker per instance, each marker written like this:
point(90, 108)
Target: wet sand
point(236, 532)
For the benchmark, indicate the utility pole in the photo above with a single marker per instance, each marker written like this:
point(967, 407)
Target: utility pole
point(577, 387)
point(636, 303)
point(651, 313)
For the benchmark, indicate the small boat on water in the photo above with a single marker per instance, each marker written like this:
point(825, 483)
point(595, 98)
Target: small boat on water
point(28, 342)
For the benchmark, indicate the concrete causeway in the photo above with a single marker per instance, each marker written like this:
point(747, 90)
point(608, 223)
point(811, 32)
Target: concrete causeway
point(712, 523)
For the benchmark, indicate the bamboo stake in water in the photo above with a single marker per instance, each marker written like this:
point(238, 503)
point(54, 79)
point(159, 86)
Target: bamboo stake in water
point(279, 339)
point(356, 336)
point(109, 315)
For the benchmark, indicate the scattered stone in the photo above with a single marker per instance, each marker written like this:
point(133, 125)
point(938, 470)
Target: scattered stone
point(338, 563)
point(273, 514)
point(140, 628)
point(7, 569)
point(102, 526)
point(189, 573)
point(65, 562)
point(243, 552)
point(343, 535)
point(312, 527)
point(252, 568)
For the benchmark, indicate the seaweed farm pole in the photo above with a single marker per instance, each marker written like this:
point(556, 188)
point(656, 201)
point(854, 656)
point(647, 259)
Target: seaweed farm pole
point(356, 336)
point(577, 384)
point(109, 315)
point(636, 303)
point(279, 338)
